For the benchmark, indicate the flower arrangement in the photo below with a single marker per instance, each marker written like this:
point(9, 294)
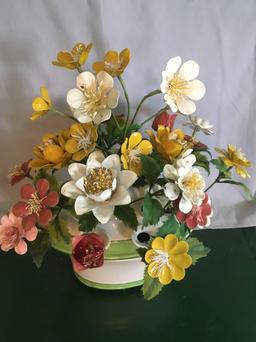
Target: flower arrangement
point(152, 181)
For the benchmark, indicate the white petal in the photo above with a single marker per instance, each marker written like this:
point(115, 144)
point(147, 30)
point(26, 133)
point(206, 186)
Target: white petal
point(80, 184)
point(86, 80)
point(185, 206)
point(170, 103)
point(97, 155)
point(170, 172)
point(105, 80)
point(189, 70)
point(163, 87)
point(103, 213)
point(114, 184)
point(112, 162)
point(81, 117)
point(113, 96)
point(171, 191)
point(75, 98)
point(83, 205)
point(101, 116)
point(185, 106)
point(196, 90)
point(127, 178)
point(101, 197)
point(173, 65)
point(92, 164)
point(120, 197)
point(77, 170)
point(70, 190)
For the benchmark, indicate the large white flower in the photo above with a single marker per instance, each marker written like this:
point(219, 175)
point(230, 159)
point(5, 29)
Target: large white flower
point(94, 98)
point(199, 124)
point(187, 182)
point(99, 185)
point(180, 87)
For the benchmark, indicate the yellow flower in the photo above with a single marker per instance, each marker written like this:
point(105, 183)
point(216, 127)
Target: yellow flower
point(75, 58)
point(234, 157)
point(131, 150)
point(114, 63)
point(41, 105)
point(51, 153)
point(168, 259)
point(83, 140)
point(168, 144)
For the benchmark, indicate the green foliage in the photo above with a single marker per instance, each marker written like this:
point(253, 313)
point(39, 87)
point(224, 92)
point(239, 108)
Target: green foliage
point(172, 226)
point(58, 231)
point(151, 169)
point(202, 161)
point(87, 222)
point(126, 214)
point(244, 187)
point(40, 247)
point(152, 210)
point(151, 286)
point(222, 167)
point(197, 250)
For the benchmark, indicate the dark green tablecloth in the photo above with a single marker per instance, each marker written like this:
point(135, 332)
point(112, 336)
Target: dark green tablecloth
point(215, 303)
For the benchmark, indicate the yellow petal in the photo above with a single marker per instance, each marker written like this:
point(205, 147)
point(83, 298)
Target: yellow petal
point(153, 269)
point(180, 248)
point(71, 146)
point(124, 146)
point(170, 241)
point(45, 95)
point(125, 57)
point(111, 57)
point(76, 129)
point(37, 115)
point(53, 153)
point(134, 140)
point(178, 273)
point(78, 156)
point(38, 163)
point(65, 57)
point(242, 172)
point(149, 255)
point(145, 147)
point(84, 55)
point(39, 104)
point(98, 66)
point(182, 260)
point(165, 276)
point(158, 243)
point(124, 161)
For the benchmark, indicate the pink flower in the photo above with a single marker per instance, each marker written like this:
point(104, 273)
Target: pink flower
point(12, 234)
point(88, 251)
point(35, 208)
point(164, 119)
point(18, 172)
point(199, 216)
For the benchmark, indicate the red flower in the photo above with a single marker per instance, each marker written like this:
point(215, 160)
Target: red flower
point(196, 143)
point(199, 216)
point(164, 119)
point(19, 172)
point(88, 251)
point(38, 199)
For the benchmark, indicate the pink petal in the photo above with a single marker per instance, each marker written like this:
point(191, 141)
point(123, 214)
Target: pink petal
point(51, 199)
point(5, 220)
point(191, 222)
point(45, 216)
point(16, 179)
point(202, 221)
point(180, 216)
point(21, 247)
point(76, 240)
point(29, 222)
point(27, 191)
point(77, 266)
point(25, 166)
point(42, 187)
point(20, 209)
point(31, 234)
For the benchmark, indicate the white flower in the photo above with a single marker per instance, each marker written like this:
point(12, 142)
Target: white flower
point(180, 87)
point(188, 182)
point(94, 98)
point(186, 160)
point(199, 124)
point(99, 186)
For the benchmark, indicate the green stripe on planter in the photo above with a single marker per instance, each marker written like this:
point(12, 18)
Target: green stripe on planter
point(108, 286)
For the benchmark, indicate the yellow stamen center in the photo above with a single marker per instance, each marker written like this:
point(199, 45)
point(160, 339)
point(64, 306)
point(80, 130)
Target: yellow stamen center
point(178, 86)
point(85, 141)
point(34, 204)
point(95, 100)
point(193, 182)
point(15, 171)
point(134, 156)
point(98, 180)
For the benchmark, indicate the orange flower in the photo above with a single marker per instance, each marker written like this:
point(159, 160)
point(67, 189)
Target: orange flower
point(114, 63)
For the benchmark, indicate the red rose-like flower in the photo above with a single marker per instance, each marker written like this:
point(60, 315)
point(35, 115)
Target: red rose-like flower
point(18, 172)
point(199, 216)
point(164, 119)
point(37, 204)
point(87, 251)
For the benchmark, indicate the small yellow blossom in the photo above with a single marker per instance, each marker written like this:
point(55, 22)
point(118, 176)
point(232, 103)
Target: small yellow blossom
point(168, 259)
point(41, 105)
point(51, 154)
point(168, 144)
point(82, 141)
point(234, 157)
point(114, 63)
point(131, 150)
point(75, 58)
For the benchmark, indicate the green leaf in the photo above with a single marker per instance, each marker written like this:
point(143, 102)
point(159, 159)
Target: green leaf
point(40, 247)
point(197, 250)
point(87, 222)
point(151, 169)
point(222, 167)
point(202, 161)
point(151, 286)
point(126, 214)
point(244, 187)
point(172, 226)
point(132, 128)
point(152, 210)
point(58, 231)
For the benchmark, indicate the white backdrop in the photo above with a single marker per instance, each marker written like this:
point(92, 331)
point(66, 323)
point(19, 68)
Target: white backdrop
point(219, 34)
